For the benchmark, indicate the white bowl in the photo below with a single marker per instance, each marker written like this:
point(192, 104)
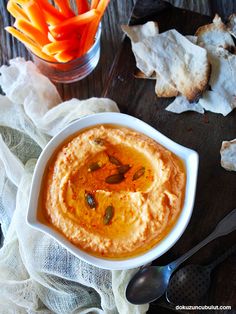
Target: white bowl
point(189, 157)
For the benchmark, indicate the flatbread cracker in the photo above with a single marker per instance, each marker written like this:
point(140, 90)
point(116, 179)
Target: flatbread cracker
point(215, 102)
point(162, 88)
point(231, 25)
point(137, 32)
point(228, 155)
point(181, 104)
point(215, 34)
point(221, 98)
point(181, 64)
point(223, 75)
point(211, 101)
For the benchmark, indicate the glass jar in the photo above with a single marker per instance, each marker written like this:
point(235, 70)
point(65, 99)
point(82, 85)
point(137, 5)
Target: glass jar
point(73, 70)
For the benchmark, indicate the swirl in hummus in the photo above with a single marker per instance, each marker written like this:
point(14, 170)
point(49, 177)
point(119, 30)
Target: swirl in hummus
point(114, 192)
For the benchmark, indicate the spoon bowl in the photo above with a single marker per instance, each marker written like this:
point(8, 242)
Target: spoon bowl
point(148, 284)
point(188, 285)
point(191, 283)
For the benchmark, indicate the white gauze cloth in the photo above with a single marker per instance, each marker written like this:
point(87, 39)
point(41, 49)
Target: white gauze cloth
point(38, 275)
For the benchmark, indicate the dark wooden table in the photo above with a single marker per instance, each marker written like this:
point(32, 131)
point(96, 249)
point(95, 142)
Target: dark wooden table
point(216, 188)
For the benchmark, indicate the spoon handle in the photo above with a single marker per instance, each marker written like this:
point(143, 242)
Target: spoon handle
point(222, 257)
point(225, 226)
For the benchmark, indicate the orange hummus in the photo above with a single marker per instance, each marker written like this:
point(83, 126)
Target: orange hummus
point(114, 192)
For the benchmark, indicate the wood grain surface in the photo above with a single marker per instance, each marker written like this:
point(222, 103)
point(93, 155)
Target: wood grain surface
point(216, 190)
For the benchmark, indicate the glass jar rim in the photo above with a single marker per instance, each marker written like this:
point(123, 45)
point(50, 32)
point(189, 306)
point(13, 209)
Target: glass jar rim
point(97, 38)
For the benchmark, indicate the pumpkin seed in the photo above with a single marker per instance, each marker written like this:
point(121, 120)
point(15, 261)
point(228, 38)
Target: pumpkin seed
point(109, 213)
point(114, 160)
point(115, 178)
point(90, 200)
point(139, 173)
point(123, 169)
point(94, 166)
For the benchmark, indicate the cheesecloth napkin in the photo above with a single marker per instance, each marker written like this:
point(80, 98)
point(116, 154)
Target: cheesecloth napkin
point(37, 275)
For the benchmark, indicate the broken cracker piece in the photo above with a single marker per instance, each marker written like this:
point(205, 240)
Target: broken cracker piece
point(223, 75)
point(137, 32)
point(215, 102)
point(228, 155)
point(141, 75)
point(181, 104)
point(181, 64)
point(215, 34)
point(162, 87)
point(231, 25)
point(222, 96)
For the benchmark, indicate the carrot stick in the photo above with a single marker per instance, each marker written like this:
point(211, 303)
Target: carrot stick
point(72, 33)
point(21, 2)
point(94, 4)
point(16, 11)
point(36, 16)
point(70, 24)
point(51, 38)
point(65, 7)
point(28, 43)
point(53, 16)
point(20, 36)
point(38, 52)
point(64, 56)
point(93, 27)
point(82, 50)
point(83, 38)
point(82, 6)
point(92, 30)
point(102, 5)
point(33, 33)
point(58, 46)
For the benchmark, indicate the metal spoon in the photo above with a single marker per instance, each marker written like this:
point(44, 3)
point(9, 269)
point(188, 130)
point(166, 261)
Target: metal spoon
point(150, 283)
point(189, 284)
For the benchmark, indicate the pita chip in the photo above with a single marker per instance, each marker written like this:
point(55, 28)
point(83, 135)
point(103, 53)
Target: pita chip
point(222, 96)
point(162, 87)
point(215, 34)
point(228, 155)
point(218, 42)
point(138, 32)
point(181, 104)
point(231, 25)
point(211, 101)
point(180, 63)
point(215, 102)
point(223, 76)
point(141, 75)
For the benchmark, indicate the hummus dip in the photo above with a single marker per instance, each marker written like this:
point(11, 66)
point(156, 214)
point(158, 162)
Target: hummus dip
point(113, 192)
